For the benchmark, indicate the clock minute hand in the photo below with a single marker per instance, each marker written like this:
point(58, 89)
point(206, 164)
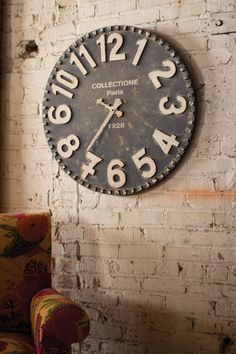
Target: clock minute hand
point(112, 110)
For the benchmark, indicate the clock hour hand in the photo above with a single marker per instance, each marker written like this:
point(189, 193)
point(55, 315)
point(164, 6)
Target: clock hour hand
point(112, 110)
point(109, 108)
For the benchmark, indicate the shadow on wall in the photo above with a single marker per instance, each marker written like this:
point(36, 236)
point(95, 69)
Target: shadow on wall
point(126, 318)
point(139, 329)
point(18, 142)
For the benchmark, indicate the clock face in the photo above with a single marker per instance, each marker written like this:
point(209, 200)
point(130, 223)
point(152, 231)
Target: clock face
point(119, 110)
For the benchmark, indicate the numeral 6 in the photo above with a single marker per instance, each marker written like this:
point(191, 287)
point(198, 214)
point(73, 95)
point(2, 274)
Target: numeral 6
point(115, 175)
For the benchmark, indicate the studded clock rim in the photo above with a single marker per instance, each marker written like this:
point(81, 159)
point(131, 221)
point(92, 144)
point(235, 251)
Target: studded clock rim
point(188, 131)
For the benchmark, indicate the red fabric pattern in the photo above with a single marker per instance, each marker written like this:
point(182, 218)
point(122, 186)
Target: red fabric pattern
point(33, 228)
point(3, 345)
point(57, 321)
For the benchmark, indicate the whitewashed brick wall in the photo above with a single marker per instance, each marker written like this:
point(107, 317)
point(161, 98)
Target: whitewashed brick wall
point(156, 272)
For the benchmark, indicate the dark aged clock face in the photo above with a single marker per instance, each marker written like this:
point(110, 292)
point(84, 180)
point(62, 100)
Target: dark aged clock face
point(119, 110)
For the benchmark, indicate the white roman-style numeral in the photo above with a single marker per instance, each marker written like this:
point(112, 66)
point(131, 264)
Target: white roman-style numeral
point(60, 90)
point(140, 160)
point(60, 114)
point(115, 175)
point(67, 146)
point(141, 45)
point(89, 169)
point(172, 109)
point(154, 75)
point(114, 55)
point(83, 52)
point(165, 141)
point(66, 79)
point(75, 60)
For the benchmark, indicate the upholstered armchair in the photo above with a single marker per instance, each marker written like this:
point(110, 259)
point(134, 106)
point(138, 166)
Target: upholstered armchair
point(34, 318)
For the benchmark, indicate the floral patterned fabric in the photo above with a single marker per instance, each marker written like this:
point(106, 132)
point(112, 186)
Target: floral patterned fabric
point(57, 322)
point(16, 343)
point(25, 270)
point(25, 266)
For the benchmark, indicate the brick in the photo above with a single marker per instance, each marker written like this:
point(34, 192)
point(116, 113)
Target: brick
point(188, 305)
point(113, 234)
point(99, 217)
point(219, 6)
point(204, 166)
point(219, 49)
point(190, 26)
point(117, 266)
point(149, 3)
point(120, 283)
point(192, 9)
point(199, 254)
point(102, 330)
point(31, 65)
point(225, 220)
point(23, 110)
point(54, 32)
point(151, 301)
point(170, 12)
point(193, 43)
point(99, 250)
point(164, 286)
point(185, 184)
point(65, 3)
point(107, 7)
point(144, 217)
point(87, 10)
point(225, 309)
point(150, 251)
point(31, 7)
point(64, 266)
point(29, 80)
point(85, 26)
point(211, 200)
point(209, 238)
point(203, 60)
point(117, 204)
point(137, 17)
point(145, 3)
point(160, 200)
point(66, 281)
point(190, 219)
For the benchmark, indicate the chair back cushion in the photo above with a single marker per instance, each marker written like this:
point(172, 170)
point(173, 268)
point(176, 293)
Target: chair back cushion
point(25, 266)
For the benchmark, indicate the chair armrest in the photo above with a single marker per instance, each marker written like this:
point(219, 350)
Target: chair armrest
point(56, 321)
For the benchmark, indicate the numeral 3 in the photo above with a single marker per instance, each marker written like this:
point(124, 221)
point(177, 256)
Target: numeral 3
point(173, 109)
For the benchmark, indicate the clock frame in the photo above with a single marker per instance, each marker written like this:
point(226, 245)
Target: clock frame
point(119, 110)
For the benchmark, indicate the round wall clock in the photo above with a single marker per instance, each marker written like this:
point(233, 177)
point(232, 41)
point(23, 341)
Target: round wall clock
point(119, 110)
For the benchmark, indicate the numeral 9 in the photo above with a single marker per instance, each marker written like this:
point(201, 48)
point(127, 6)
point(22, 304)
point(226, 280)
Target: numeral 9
point(60, 114)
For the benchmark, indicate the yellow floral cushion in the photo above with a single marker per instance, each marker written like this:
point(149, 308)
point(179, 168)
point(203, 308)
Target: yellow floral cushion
point(25, 266)
point(16, 343)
